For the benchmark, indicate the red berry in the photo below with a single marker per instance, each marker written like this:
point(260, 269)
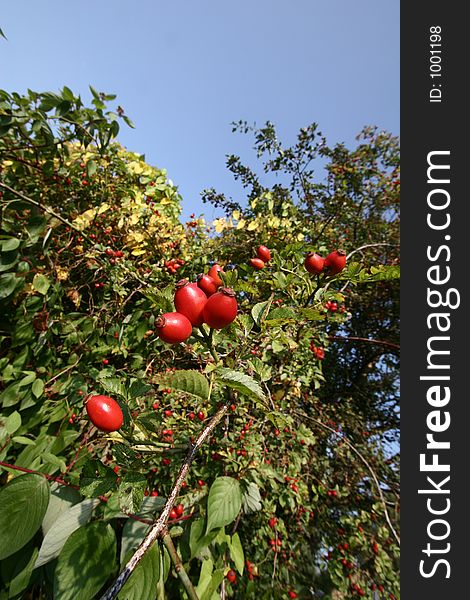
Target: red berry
point(292, 594)
point(190, 301)
point(173, 327)
point(105, 413)
point(214, 273)
point(272, 522)
point(335, 262)
point(168, 413)
point(263, 253)
point(179, 510)
point(191, 416)
point(314, 263)
point(201, 416)
point(256, 263)
point(221, 309)
point(207, 284)
point(109, 252)
point(105, 361)
point(200, 483)
point(173, 514)
point(232, 576)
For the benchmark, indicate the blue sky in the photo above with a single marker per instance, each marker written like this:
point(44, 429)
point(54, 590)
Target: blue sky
point(183, 71)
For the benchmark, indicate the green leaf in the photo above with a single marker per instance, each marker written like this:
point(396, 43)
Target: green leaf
point(13, 422)
point(87, 560)
point(131, 492)
point(280, 316)
point(242, 383)
point(8, 284)
point(205, 575)
point(190, 382)
point(91, 168)
point(216, 580)
point(62, 498)
point(16, 570)
point(41, 283)
point(142, 584)
point(251, 498)
point(260, 310)
point(9, 244)
point(312, 314)
point(23, 504)
point(224, 502)
point(37, 388)
point(236, 553)
point(138, 388)
point(69, 521)
point(96, 479)
point(112, 385)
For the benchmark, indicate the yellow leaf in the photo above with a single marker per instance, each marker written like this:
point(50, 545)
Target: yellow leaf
point(241, 224)
point(103, 208)
point(236, 215)
point(252, 226)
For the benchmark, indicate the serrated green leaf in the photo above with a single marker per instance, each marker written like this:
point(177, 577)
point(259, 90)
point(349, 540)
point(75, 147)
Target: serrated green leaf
point(251, 498)
point(260, 310)
point(242, 383)
point(87, 559)
point(280, 316)
point(224, 502)
point(66, 523)
point(96, 479)
point(138, 388)
point(191, 382)
point(131, 492)
point(23, 504)
point(113, 385)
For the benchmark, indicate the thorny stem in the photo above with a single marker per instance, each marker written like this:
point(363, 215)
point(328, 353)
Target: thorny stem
point(158, 530)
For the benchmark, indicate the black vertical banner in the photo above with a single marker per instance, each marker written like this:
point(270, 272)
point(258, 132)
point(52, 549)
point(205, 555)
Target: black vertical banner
point(435, 328)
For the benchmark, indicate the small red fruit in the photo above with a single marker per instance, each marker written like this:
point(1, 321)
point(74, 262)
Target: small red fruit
point(173, 514)
point(221, 309)
point(214, 273)
point(256, 263)
point(292, 594)
point(272, 522)
point(201, 416)
point(335, 262)
point(105, 413)
point(173, 327)
point(232, 576)
point(179, 510)
point(263, 253)
point(105, 361)
point(314, 263)
point(207, 284)
point(190, 301)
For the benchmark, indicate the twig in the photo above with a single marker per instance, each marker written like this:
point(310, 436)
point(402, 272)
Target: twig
point(372, 472)
point(368, 246)
point(159, 528)
point(180, 571)
point(351, 338)
point(44, 208)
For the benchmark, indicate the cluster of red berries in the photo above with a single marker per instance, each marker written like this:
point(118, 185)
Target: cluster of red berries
point(113, 254)
point(173, 265)
point(263, 255)
point(196, 303)
point(177, 512)
point(333, 264)
point(318, 351)
point(332, 306)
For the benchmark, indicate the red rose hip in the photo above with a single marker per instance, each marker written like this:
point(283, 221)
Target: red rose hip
point(335, 262)
point(263, 253)
point(214, 273)
point(173, 327)
point(105, 413)
point(256, 263)
point(314, 263)
point(207, 284)
point(221, 309)
point(190, 301)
